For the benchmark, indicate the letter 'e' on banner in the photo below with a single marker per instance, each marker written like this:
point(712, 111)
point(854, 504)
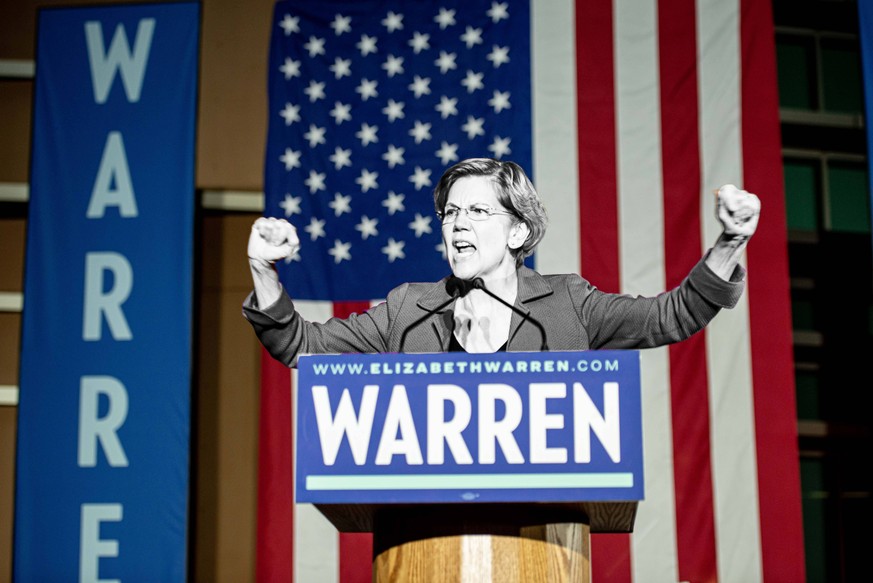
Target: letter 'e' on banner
point(104, 405)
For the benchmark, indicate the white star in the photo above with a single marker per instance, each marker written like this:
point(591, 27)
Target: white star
point(473, 81)
point(441, 249)
point(394, 110)
point(367, 227)
point(315, 46)
point(472, 36)
point(367, 134)
point(315, 228)
point(446, 62)
point(291, 159)
point(500, 147)
point(341, 158)
point(473, 127)
point(394, 156)
point(290, 68)
point(341, 112)
point(447, 153)
point(420, 178)
point(420, 132)
point(420, 86)
point(291, 205)
point(340, 251)
point(315, 135)
point(445, 18)
point(394, 203)
point(290, 24)
point(394, 250)
point(421, 225)
point(341, 24)
point(315, 182)
point(367, 89)
point(498, 56)
point(341, 68)
point(498, 11)
point(500, 101)
point(393, 66)
point(291, 113)
point(393, 22)
point(340, 204)
point(366, 45)
point(447, 106)
point(367, 180)
point(419, 42)
point(315, 91)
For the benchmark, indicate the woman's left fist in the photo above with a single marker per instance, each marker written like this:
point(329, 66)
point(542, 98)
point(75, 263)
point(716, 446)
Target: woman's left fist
point(738, 211)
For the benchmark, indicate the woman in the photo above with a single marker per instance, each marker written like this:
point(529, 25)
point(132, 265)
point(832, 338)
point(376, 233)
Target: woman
point(492, 219)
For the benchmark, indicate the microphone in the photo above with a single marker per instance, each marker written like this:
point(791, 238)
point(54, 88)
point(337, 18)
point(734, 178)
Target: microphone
point(478, 283)
point(456, 288)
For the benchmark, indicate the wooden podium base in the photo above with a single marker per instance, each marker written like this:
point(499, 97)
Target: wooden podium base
point(480, 543)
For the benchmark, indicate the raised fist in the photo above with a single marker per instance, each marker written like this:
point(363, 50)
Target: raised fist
point(272, 239)
point(738, 211)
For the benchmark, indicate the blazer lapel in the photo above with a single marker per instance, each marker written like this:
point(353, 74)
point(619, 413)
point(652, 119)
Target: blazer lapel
point(441, 324)
point(531, 287)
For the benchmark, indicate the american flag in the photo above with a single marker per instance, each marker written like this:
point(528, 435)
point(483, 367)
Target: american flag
point(638, 110)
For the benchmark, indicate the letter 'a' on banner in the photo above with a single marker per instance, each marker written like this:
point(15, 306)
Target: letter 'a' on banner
point(105, 383)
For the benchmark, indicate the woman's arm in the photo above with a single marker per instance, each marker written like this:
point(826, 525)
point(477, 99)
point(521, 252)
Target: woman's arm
point(284, 332)
point(716, 282)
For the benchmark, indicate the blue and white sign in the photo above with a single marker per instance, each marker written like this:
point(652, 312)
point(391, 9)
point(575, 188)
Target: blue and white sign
point(104, 406)
point(457, 427)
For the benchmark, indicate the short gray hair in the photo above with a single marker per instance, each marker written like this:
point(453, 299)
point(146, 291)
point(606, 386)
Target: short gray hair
point(514, 191)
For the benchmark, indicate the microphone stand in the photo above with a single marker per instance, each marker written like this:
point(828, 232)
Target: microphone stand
point(456, 288)
point(478, 283)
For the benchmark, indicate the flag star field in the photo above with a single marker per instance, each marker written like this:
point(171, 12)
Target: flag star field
point(368, 108)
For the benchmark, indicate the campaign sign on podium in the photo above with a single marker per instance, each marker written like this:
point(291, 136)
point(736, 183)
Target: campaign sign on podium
point(376, 429)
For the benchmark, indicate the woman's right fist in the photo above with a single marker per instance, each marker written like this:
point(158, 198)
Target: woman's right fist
point(272, 239)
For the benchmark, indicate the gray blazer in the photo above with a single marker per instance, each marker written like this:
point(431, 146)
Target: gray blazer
point(575, 315)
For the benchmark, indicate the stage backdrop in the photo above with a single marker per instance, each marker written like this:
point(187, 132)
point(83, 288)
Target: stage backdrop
point(104, 414)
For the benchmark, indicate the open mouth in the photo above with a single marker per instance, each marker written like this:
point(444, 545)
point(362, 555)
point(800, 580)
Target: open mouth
point(463, 248)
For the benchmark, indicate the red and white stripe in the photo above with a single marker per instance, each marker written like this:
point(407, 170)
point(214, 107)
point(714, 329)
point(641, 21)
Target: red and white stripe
point(641, 109)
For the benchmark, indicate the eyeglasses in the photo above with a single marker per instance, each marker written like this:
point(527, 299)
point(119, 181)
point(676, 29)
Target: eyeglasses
point(476, 212)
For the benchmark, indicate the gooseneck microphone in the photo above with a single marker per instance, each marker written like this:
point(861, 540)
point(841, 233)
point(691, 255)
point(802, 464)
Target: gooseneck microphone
point(456, 288)
point(478, 283)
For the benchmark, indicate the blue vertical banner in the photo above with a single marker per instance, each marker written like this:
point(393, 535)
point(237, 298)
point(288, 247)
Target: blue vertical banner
point(105, 383)
point(865, 26)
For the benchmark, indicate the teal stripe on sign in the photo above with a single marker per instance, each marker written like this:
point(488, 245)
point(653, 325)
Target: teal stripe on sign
point(466, 481)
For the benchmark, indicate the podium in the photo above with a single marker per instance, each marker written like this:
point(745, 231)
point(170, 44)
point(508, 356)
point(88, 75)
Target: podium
point(472, 467)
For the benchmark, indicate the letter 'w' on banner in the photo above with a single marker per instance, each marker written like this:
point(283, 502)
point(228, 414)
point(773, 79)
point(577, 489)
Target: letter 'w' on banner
point(104, 411)
point(638, 110)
